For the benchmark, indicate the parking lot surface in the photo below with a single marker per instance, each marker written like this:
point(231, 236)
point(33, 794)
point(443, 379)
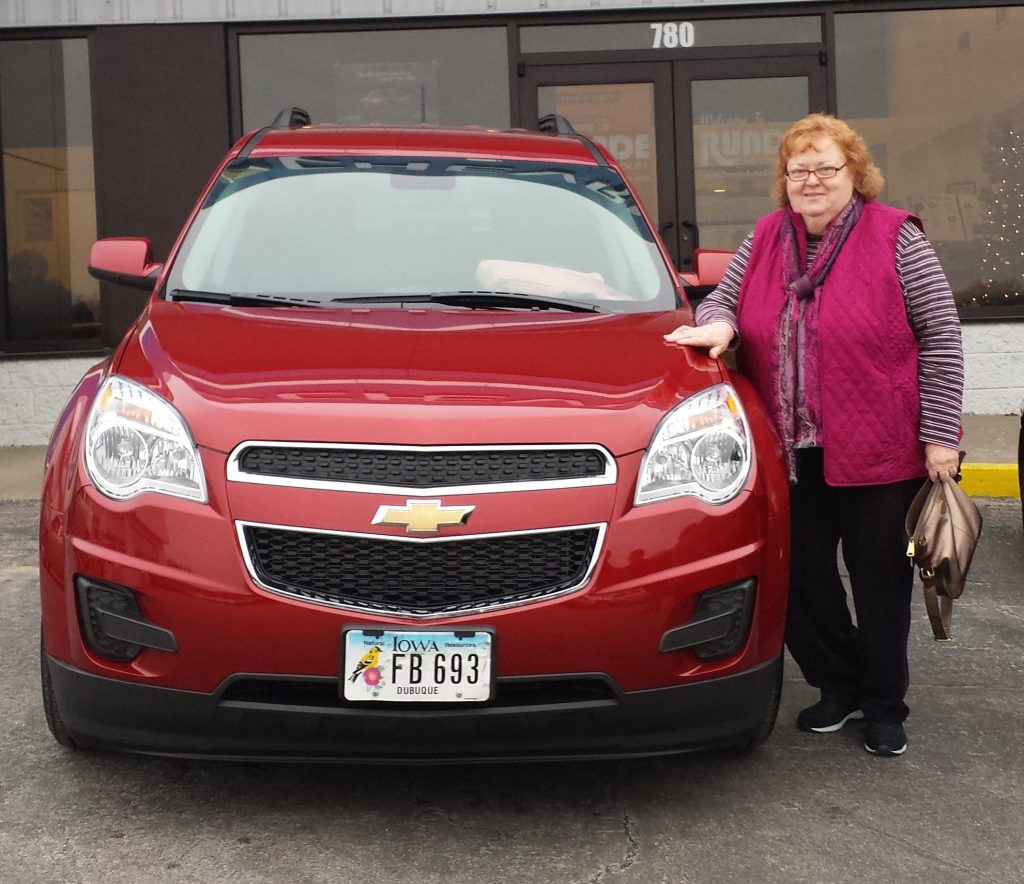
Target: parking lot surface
point(803, 808)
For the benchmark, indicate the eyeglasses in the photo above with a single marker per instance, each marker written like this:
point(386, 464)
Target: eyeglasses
point(822, 173)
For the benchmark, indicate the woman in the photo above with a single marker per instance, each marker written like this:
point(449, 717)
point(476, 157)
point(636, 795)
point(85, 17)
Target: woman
point(844, 322)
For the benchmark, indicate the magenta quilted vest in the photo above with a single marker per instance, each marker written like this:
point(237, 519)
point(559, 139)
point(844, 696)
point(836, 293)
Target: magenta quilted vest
point(870, 405)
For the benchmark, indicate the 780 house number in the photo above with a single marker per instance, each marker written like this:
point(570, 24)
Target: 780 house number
point(672, 35)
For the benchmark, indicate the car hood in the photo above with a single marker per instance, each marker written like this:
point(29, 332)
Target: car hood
point(414, 377)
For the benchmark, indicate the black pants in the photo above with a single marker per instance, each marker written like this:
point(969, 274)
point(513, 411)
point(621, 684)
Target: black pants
point(864, 663)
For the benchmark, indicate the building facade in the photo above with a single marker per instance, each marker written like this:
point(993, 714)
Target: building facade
point(114, 112)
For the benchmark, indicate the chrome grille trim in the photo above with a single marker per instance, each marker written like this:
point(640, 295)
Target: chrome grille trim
point(241, 525)
point(235, 473)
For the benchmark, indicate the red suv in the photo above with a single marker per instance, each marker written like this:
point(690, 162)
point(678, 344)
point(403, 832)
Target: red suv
point(396, 465)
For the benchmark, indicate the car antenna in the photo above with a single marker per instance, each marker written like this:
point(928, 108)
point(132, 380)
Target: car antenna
point(289, 118)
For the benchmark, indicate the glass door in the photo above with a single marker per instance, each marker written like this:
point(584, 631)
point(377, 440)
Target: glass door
point(729, 118)
point(697, 138)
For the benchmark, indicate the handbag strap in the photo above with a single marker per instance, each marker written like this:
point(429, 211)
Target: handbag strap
point(940, 609)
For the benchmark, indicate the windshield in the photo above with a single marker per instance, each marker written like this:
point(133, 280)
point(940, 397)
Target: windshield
point(325, 228)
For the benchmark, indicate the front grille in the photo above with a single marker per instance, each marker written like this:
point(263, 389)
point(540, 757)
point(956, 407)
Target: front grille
point(419, 468)
point(420, 578)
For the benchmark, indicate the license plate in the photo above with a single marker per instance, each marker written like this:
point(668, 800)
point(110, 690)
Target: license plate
point(419, 666)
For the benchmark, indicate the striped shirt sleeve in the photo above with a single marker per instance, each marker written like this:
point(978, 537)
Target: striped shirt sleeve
point(936, 325)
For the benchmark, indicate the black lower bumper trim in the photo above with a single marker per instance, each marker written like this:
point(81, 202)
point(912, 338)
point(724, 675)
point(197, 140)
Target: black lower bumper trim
point(112, 714)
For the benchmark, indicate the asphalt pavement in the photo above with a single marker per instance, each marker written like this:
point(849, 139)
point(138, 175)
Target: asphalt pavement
point(802, 808)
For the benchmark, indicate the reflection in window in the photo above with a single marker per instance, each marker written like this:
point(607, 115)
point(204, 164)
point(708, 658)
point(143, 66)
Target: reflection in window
point(620, 117)
point(737, 127)
point(50, 301)
point(1001, 230)
point(951, 146)
point(438, 76)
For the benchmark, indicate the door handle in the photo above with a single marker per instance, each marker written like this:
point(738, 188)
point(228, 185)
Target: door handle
point(689, 237)
point(663, 229)
point(694, 233)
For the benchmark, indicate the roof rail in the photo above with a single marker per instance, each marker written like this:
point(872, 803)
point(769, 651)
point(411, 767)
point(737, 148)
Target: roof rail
point(555, 123)
point(291, 118)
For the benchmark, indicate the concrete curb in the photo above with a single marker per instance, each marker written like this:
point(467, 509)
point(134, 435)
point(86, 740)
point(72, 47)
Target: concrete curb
point(990, 480)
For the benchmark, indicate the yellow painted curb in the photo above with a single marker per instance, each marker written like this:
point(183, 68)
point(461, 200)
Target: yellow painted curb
point(990, 480)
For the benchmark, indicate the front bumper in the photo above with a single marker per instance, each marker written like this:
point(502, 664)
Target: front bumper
point(303, 719)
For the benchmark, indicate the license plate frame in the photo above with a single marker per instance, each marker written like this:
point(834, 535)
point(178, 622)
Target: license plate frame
point(416, 665)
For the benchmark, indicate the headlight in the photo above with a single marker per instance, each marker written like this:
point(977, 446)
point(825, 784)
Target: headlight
point(702, 447)
point(135, 441)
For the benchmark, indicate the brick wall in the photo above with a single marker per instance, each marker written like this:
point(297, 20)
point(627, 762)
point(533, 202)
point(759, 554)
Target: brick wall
point(994, 355)
point(32, 393)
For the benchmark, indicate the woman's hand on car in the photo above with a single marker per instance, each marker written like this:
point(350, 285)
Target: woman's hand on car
point(716, 336)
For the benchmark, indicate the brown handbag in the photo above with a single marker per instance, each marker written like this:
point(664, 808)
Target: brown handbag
point(943, 527)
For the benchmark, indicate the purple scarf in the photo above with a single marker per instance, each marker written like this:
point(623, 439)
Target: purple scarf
point(799, 393)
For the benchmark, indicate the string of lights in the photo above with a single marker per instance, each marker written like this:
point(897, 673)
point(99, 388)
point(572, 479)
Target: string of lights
point(1002, 261)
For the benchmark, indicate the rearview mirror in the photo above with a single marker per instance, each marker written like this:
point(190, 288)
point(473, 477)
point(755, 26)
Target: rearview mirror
point(125, 261)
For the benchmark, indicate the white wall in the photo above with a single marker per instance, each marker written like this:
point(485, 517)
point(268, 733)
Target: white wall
point(994, 355)
point(32, 394)
point(33, 391)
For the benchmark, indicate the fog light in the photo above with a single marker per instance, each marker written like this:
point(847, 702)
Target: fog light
point(112, 623)
point(720, 625)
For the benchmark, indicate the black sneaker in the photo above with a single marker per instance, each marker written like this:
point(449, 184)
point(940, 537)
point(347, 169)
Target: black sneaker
point(827, 716)
point(885, 738)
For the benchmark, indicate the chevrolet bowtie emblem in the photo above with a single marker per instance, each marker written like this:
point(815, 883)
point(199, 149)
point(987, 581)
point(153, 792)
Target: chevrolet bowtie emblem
point(423, 516)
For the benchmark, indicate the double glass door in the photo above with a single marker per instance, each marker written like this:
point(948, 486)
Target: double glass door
point(698, 139)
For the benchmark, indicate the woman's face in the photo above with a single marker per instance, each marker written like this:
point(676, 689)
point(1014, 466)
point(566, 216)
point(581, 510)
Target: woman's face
point(819, 200)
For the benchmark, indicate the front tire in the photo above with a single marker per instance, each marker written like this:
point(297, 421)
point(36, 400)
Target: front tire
point(53, 717)
point(767, 725)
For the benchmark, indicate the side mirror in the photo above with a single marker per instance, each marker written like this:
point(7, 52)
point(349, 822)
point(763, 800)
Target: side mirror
point(708, 269)
point(710, 265)
point(125, 261)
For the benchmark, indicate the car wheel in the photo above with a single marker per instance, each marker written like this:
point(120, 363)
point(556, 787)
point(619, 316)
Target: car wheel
point(50, 707)
point(771, 713)
point(1020, 464)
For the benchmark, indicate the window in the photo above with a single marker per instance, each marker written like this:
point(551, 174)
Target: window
point(947, 129)
point(322, 228)
point(439, 76)
point(49, 302)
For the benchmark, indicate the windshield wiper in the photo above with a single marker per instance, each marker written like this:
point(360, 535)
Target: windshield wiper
point(477, 299)
point(236, 300)
point(510, 299)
